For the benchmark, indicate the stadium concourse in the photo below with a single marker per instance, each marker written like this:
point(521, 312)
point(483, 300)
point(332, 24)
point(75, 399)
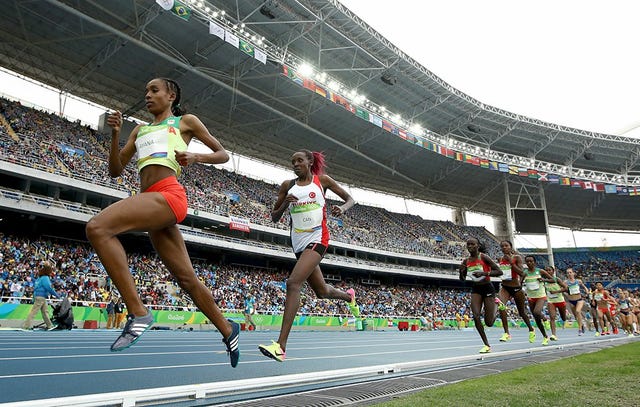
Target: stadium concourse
point(242, 72)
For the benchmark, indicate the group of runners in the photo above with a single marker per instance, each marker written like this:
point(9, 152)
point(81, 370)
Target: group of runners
point(523, 282)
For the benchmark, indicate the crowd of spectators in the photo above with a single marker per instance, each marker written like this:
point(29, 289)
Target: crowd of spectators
point(56, 145)
point(80, 276)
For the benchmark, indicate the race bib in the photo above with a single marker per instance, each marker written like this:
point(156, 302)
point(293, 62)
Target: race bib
point(574, 289)
point(153, 144)
point(307, 217)
point(533, 285)
point(506, 273)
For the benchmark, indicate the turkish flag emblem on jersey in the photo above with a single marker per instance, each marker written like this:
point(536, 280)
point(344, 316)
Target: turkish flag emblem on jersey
point(312, 194)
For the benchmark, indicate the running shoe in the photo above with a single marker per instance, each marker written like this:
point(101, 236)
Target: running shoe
point(615, 331)
point(597, 333)
point(532, 336)
point(606, 332)
point(545, 341)
point(273, 351)
point(232, 343)
point(485, 349)
point(580, 332)
point(553, 338)
point(132, 331)
point(501, 306)
point(353, 306)
point(505, 337)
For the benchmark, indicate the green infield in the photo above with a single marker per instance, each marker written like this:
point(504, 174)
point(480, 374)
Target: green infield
point(610, 377)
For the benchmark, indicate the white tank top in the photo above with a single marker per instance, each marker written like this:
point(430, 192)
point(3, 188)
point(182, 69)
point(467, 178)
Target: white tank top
point(308, 216)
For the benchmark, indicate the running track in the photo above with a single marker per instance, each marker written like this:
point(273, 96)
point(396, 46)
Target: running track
point(42, 365)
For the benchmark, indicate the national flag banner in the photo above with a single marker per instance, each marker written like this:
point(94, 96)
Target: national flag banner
point(532, 173)
point(450, 153)
point(513, 170)
point(565, 181)
point(587, 185)
point(493, 165)
point(216, 29)
point(181, 10)
point(523, 172)
point(261, 56)
point(309, 84)
point(542, 176)
point(419, 142)
point(361, 113)
point(165, 4)
point(433, 147)
point(232, 39)
point(554, 179)
point(402, 133)
point(377, 120)
point(598, 187)
point(459, 156)
point(321, 91)
point(610, 189)
point(502, 167)
point(475, 161)
point(484, 163)
point(634, 191)
point(411, 137)
point(386, 125)
point(622, 190)
point(285, 70)
point(576, 183)
point(237, 223)
point(246, 47)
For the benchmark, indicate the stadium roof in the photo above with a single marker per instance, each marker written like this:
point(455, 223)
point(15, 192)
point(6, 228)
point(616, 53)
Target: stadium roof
point(107, 51)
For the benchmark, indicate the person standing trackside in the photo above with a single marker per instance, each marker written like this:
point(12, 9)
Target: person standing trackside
point(481, 268)
point(161, 148)
point(304, 197)
point(249, 310)
point(41, 290)
point(111, 314)
point(119, 309)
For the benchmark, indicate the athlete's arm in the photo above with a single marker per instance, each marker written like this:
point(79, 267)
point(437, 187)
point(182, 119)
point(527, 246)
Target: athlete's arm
point(191, 126)
point(495, 269)
point(119, 158)
point(462, 270)
point(283, 201)
point(329, 183)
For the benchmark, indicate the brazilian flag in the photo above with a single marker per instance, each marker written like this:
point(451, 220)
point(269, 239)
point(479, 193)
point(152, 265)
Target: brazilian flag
point(181, 10)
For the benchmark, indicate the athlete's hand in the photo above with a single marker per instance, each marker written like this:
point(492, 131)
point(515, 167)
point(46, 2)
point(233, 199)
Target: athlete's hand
point(291, 198)
point(336, 210)
point(115, 121)
point(184, 158)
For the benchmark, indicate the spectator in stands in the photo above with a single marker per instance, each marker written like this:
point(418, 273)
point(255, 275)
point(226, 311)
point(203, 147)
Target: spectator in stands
point(481, 268)
point(304, 197)
point(162, 150)
point(41, 291)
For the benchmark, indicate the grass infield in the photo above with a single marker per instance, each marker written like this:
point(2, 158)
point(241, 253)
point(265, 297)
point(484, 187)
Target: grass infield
point(610, 377)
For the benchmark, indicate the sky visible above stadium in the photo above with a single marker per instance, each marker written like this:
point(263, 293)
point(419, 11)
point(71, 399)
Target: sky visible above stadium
point(569, 62)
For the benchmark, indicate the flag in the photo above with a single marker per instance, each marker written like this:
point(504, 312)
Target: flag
point(459, 156)
point(634, 191)
point(554, 179)
point(523, 172)
point(513, 170)
point(542, 176)
point(598, 187)
point(261, 56)
point(576, 183)
point(246, 47)
point(387, 125)
point(181, 10)
point(233, 39)
point(502, 167)
point(565, 181)
point(587, 185)
point(622, 190)
point(375, 120)
point(610, 189)
point(532, 173)
point(419, 142)
point(402, 133)
point(484, 163)
point(361, 113)
point(321, 91)
point(493, 165)
point(309, 84)
point(217, 30)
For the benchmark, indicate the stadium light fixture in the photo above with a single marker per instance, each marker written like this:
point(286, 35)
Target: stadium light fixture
point(305, 70)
